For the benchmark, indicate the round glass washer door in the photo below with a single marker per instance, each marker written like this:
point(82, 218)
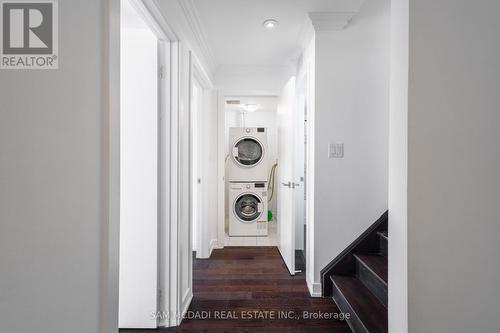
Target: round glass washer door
point(248, 152)
point(246, 207)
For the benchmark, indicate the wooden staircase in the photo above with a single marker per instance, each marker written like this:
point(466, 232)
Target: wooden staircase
point(357, 280)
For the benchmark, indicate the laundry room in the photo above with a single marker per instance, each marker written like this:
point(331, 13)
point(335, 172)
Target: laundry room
point(251, 164)
point(263, 157)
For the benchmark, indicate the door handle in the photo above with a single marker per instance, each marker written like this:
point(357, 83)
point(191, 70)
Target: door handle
point(289, 184)
point(294, 185)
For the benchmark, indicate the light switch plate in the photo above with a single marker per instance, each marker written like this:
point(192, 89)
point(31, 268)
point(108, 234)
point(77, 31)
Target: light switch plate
point(336, 150)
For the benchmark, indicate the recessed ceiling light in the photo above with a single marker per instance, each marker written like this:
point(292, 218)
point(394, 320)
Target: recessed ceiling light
point(250, 107)
point(270, 24)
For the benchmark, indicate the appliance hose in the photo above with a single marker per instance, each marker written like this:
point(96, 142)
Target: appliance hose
point(270, 183)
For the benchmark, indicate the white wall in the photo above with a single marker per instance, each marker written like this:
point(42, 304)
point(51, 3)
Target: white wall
point(51, 169)
point(138, 167)
point(352, 107)
point(453, 166)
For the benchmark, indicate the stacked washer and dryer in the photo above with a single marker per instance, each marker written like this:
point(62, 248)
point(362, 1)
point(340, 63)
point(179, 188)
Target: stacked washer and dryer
point(247, 176)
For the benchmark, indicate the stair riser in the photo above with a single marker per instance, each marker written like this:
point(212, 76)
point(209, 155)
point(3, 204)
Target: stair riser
point(383, 245)
point(377, 286)
point(354, 322)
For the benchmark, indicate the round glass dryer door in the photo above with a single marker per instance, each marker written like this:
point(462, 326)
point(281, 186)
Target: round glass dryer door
point(248, 152)
point(246, 207)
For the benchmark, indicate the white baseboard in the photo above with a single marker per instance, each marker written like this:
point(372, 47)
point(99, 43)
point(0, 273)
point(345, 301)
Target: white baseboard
point(186, 302)
point(214, 244)
point(162, 323)
point(314, 288)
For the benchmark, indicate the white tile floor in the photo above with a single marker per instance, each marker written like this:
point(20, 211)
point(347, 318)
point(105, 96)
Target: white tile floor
point(270, 240)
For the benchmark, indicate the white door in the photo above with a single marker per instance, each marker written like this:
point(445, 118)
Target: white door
point(287, 141)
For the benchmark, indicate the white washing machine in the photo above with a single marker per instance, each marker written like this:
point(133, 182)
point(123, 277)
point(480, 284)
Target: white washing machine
point(248, 204)
point(248, 154)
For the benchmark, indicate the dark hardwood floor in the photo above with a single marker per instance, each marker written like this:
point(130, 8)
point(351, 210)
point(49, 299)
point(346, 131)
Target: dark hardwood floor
point(241, 280)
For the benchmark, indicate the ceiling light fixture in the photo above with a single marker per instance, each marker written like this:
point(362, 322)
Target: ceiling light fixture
point(270, 24)
point(250, 107)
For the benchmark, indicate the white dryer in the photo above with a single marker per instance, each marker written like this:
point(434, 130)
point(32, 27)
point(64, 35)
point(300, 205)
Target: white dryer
point(248, 205)
point(248, 154)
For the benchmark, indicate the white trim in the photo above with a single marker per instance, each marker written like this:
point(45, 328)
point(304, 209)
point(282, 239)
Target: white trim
point(213, 245)
point(198, 73)
point(221, 169)
point(192, 17)
point(160, 24)
point(200, 246)
point(306, 34)
point(174, 184)
point(150, 13)
point(188, 295)
point(314, 288)
point(164, 176)
point(330, 21)
point(243, 92)
point(186, 301)
point(310, 70)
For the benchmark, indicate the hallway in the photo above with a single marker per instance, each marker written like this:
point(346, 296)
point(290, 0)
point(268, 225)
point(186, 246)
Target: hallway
point(237, 281)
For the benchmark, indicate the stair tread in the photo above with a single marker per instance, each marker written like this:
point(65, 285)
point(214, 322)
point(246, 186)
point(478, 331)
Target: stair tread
point(375, 262)
point(368, 308)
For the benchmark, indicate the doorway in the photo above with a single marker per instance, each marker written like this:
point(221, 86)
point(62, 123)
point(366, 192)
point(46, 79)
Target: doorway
point(144, 166)
point(272, 112)
point(250, 150)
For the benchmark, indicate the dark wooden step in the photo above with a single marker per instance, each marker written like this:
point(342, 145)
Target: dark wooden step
point(367, 313)
point(344, 263)
point(371, 269)
point(375, 262)
point(383, 242)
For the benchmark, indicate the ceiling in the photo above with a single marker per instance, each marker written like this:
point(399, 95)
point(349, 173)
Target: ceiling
point(235, 35)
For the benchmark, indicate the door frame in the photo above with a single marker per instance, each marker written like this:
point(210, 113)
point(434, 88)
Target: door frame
point(197, 73)
point(288, 258)
point(306, 75)
point(221, 153)
point(168, 166)
point(314, 288)
point(196, 179)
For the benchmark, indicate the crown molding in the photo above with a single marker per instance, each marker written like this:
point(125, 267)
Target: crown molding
point(330, 21)
point(193, 19)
